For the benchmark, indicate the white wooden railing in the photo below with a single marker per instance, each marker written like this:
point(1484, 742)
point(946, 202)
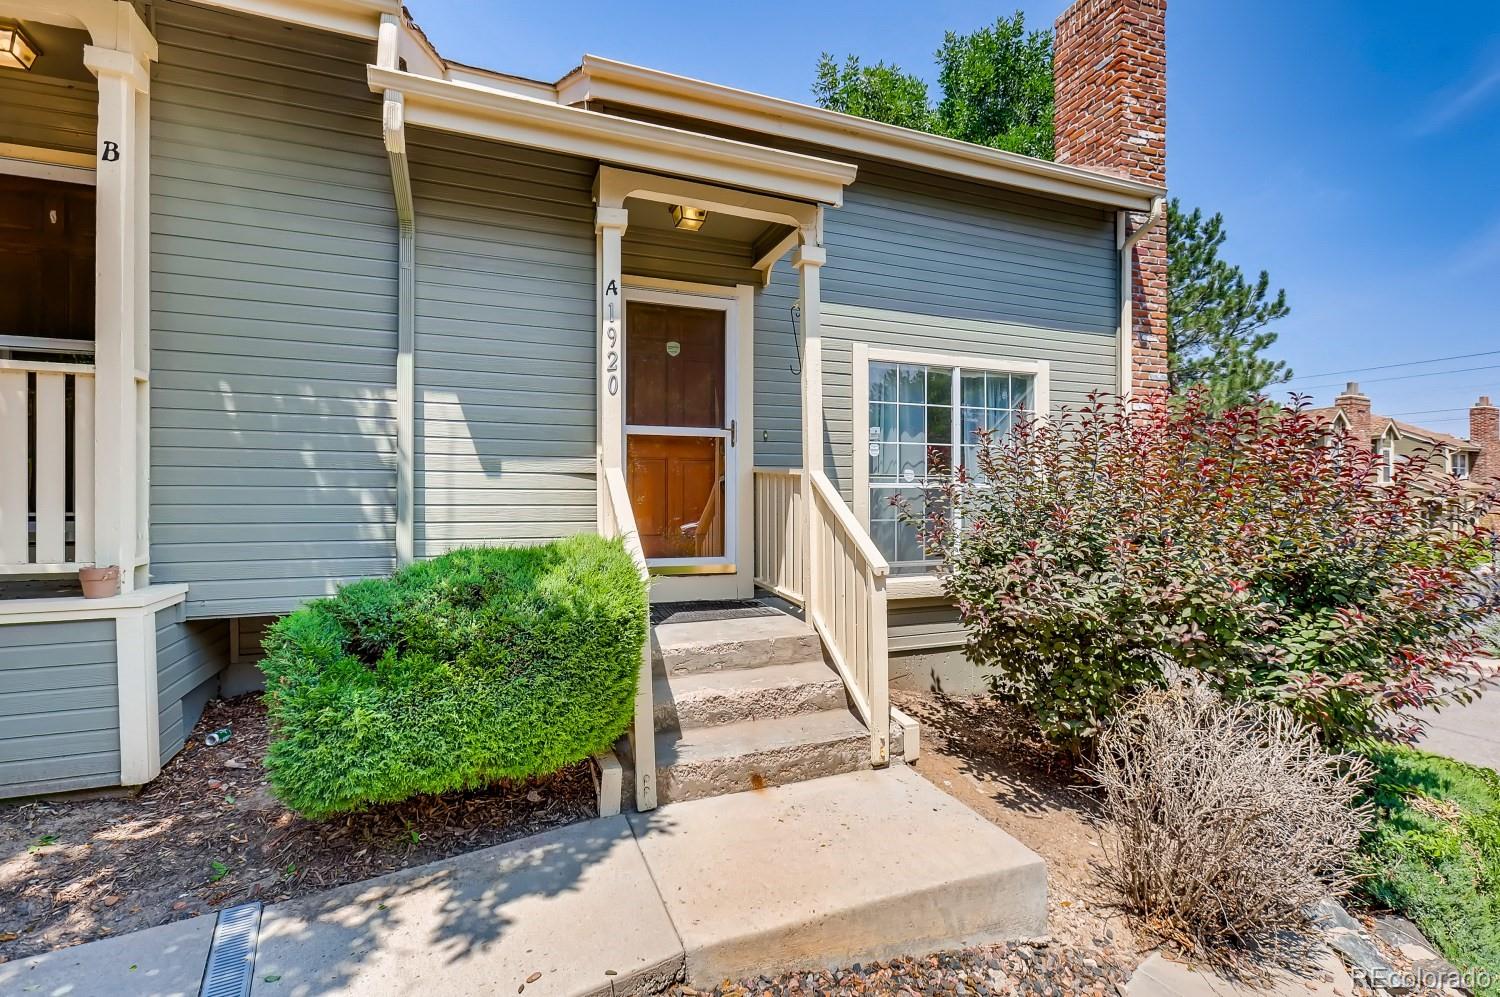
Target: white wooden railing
point(619, 521)
point(41, 530)
point(780, 561)
point(846, 577)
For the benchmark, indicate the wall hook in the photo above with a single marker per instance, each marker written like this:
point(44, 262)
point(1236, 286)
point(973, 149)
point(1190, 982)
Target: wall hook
point(796, 368)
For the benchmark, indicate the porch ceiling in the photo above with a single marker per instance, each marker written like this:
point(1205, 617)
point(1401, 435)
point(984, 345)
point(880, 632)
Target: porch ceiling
point(721, 226)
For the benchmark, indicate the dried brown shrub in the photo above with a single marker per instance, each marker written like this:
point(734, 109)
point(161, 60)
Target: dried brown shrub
point(1229, 818)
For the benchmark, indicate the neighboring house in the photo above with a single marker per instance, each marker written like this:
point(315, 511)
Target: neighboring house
point(1474, 462)
point(291, 300)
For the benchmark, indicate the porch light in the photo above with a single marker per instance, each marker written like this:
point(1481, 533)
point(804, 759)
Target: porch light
point(16, 50)
point(689, 218)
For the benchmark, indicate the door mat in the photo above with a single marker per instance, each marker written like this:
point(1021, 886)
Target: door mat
point(704, 612)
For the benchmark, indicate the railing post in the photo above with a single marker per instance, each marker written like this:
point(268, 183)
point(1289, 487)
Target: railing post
point(880, 673)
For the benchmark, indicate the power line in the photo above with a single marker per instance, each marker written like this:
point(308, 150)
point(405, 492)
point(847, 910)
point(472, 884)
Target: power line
point(1430, 411)
point(1406, 377)
point(1389, 366)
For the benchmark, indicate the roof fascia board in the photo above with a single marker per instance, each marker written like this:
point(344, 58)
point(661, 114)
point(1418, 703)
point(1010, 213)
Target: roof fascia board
point(617, 82)
point(359, 18)
point(509, 117)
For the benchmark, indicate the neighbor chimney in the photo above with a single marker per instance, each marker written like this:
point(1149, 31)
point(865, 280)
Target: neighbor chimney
point(1484, 433)
point(1356, 408)
point(1109, 65)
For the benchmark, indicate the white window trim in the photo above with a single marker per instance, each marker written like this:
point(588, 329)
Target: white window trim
point(1387, 452)
point(1040, 371)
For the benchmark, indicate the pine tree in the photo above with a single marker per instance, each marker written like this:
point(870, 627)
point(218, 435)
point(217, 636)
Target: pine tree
point(1216, 319)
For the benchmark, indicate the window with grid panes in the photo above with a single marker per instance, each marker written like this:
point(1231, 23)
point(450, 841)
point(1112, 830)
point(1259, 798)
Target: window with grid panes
point(923, 418)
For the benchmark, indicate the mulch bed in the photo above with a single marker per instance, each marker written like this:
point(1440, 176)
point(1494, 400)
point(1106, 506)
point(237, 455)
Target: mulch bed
point(207, 834)
point(1021, 969)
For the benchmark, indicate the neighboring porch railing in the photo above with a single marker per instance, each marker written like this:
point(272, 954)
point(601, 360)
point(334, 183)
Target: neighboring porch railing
point(619, 521)
point(46, 466)
point(845, 576)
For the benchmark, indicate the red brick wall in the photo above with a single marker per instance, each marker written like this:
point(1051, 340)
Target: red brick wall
point(1356, 408)
point(1110, 70)
point(1484, 432)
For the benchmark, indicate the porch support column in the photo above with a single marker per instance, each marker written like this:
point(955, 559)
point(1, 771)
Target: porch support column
point(610, 224)
point(809, 260)
point(393, 126)
point(121, 311)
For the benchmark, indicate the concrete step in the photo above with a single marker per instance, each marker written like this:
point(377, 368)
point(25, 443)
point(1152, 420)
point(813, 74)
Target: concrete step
point(711, 699)
point(866, 865)
point(754, 754)
point(718, 645)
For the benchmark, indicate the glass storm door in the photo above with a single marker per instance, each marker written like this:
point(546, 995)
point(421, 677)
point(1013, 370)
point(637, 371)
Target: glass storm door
point(679, 438)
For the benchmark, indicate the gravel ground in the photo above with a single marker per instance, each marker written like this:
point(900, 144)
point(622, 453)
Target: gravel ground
point(1036, 970)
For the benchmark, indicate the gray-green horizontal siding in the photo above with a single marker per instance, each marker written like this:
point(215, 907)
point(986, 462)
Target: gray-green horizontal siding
point(48, 113)
point(505, 375)
point(273, 276)
point(916, 262)
point(923, 625)
point(59, 707)
point(190, 654)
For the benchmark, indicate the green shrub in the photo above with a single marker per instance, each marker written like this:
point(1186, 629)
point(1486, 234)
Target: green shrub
point(1433, 854)
point(1096, 554)
point(480, 665)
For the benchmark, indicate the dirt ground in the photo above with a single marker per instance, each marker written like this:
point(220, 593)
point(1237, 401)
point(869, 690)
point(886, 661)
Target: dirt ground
point(985, 756)
point(208, 834)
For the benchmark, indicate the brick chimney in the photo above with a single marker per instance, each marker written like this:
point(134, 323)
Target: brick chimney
point(1109, 64)
point(1484, 432)
point(1356, 408)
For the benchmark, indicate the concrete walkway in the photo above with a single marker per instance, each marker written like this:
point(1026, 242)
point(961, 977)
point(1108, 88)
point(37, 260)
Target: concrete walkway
point(828, 872)
point(1469, 733)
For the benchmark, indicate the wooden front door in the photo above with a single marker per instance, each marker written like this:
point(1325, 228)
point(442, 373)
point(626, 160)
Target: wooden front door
point(679, 437)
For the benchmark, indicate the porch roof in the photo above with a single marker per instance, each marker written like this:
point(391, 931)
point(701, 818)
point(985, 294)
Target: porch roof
point(488, 112)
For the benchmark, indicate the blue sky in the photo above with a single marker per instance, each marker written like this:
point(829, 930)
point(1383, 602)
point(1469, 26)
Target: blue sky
point(1353, 146)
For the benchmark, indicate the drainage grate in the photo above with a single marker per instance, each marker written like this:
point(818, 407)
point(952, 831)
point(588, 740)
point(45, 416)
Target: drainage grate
point(703, 612)
point(231, 957)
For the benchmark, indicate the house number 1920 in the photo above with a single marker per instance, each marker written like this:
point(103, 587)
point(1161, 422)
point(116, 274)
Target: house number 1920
point(611, 339)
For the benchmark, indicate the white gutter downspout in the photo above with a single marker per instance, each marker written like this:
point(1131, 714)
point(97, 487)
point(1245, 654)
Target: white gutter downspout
point(1126, 245)
point(393, 123)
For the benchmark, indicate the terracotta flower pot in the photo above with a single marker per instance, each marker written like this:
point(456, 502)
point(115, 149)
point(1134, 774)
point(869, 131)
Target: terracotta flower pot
point(99, 583)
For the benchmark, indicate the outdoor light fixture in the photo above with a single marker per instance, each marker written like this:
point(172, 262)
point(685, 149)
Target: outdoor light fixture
point(688, 218)
point(16, 50)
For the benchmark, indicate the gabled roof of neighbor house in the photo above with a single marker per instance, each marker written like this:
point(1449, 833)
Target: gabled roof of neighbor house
point(1380, 425)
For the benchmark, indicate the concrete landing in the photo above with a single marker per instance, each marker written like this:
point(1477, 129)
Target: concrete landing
point(828, 872)
point(834, 871)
